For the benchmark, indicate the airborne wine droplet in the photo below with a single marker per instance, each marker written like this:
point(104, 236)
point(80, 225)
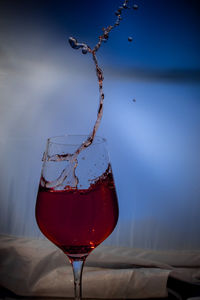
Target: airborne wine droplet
point(135, 6)
point(84, 50)
point(73, 43)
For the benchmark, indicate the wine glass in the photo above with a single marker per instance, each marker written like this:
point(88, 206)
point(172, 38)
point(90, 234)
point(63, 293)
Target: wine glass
point(76, 206)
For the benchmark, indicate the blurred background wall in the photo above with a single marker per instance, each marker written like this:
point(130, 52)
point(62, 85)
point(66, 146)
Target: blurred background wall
point(47, 89)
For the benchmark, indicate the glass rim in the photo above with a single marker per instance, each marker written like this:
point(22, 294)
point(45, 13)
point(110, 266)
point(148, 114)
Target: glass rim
point(50, 140)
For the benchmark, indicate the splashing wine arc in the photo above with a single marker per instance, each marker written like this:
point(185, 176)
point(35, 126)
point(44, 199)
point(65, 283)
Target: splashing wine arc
point(87, 49)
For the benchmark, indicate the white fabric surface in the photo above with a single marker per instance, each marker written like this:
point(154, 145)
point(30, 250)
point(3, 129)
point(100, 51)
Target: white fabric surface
point(37, 268)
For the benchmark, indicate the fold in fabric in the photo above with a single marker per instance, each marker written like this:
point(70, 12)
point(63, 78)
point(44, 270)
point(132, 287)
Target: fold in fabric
point(37, 268)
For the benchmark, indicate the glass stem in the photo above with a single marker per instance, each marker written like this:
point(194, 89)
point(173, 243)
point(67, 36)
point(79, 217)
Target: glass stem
point(77, 266)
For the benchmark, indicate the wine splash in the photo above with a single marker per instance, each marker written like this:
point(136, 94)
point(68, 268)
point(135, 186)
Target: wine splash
point(99, 73)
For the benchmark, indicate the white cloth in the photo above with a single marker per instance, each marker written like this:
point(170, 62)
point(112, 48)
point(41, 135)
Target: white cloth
point(37, 268)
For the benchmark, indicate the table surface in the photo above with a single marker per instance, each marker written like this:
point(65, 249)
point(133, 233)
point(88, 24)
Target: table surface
point(177, 290)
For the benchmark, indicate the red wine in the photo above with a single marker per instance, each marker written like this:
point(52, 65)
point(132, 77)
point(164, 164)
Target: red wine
point(78, 220)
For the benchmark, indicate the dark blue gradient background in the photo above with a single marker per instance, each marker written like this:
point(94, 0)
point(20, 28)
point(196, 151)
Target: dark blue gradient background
point(49, 89)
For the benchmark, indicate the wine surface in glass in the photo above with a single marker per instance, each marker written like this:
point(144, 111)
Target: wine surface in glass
point(78, 220)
